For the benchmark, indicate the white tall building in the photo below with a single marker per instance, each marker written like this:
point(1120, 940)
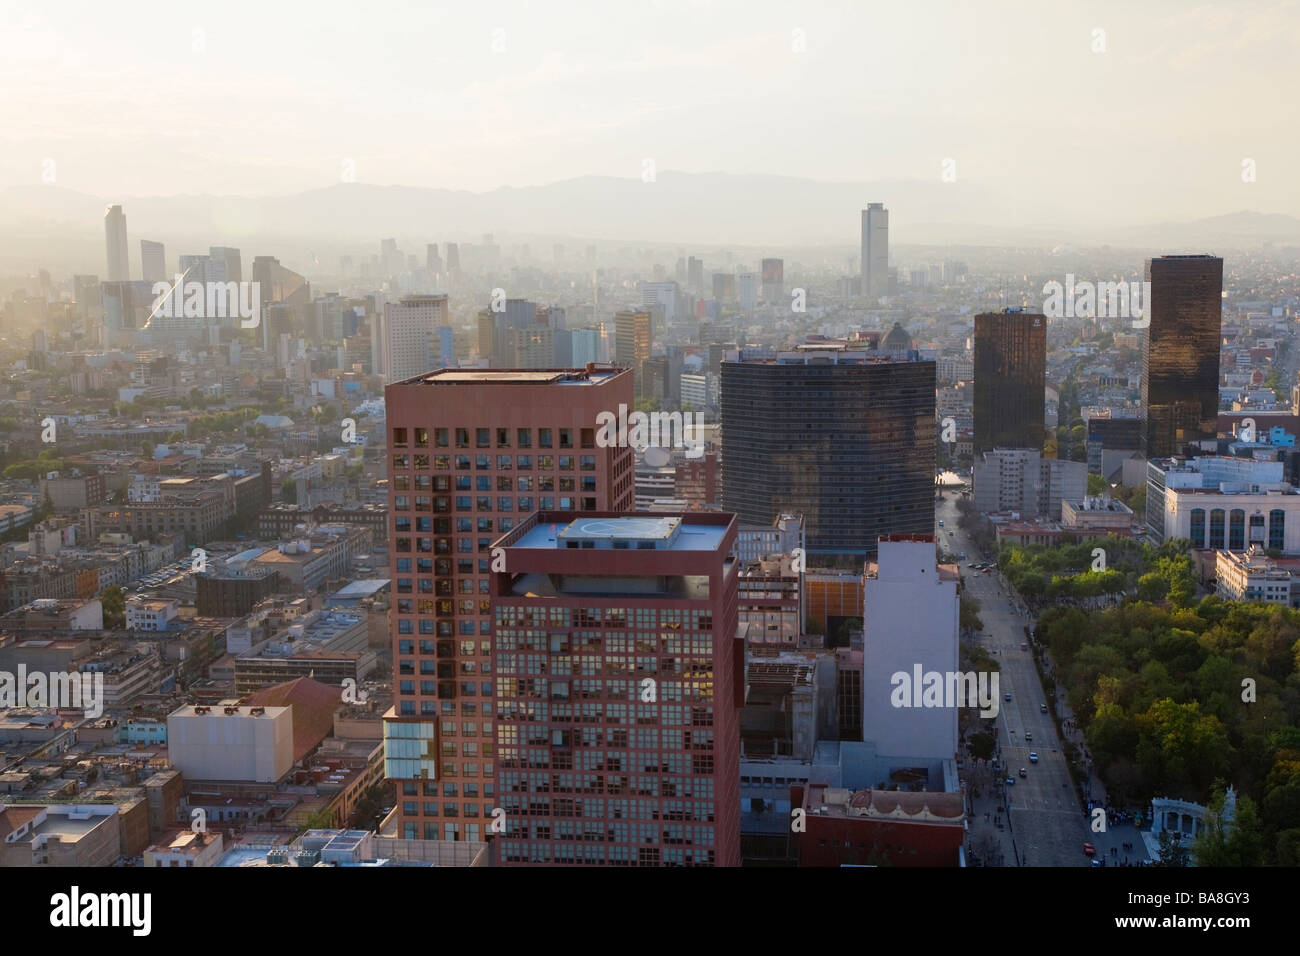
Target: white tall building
point(407, 333)
point(119, 269)
point(875, 250)
point(747, 289)
point(662, 294)
point(910, 620)
point(153, 261)
point(695, 389)
point(1023, 481)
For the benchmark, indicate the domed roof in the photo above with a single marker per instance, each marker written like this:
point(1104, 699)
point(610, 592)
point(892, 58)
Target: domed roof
point(897, 339)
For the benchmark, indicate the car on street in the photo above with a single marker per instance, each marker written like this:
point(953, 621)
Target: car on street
point(1007, 698)
point(1011, 781)
point(1042, 708)
point(1089, 849)
point(1033, 756)
point(1028, 736)
point(1024, 646)
point(1024, 772)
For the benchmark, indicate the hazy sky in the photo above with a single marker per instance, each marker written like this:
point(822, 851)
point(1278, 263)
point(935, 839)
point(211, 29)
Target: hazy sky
point(250, 98)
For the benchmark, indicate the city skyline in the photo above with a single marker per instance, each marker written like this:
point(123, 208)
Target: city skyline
point(694, 434)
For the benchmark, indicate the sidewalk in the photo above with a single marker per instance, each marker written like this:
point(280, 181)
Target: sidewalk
point(985, 812)
point(1094, 790)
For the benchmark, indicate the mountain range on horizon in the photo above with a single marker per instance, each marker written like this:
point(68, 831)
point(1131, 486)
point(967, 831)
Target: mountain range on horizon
point(774, 213)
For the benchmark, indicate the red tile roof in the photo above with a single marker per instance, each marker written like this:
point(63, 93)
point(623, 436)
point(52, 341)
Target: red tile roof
point(313, 705)
point(12, 818)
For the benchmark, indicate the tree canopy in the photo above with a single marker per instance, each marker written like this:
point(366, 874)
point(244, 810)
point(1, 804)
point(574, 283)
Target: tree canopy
point(1175, 700)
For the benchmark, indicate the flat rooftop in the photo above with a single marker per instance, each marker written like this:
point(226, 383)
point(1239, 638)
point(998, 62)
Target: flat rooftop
point(642, 529)
point(219, 710)
point(827, 355)
point(516, 377)
point(1112, 505)
point(667, 533)
point(1258, 488)
point(362, 588)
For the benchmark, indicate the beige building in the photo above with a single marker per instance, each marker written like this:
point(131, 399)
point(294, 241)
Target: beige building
point(1023, 481)
point(59, 835)
point(307, 563)
point(228, 742)
point(186, 848)
point(15, 516)
point(1097, 513)
point(1253, 576)
point(150, 614)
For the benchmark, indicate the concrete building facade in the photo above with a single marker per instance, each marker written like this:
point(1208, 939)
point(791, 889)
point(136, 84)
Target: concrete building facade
point(910, 620)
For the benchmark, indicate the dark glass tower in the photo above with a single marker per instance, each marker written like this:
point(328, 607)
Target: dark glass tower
point(845, 439)
point(1180, 352)
point(1010, 376)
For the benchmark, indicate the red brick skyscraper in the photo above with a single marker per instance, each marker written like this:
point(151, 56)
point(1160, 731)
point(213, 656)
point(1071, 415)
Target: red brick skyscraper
point(472, 453)
point(619, 681)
